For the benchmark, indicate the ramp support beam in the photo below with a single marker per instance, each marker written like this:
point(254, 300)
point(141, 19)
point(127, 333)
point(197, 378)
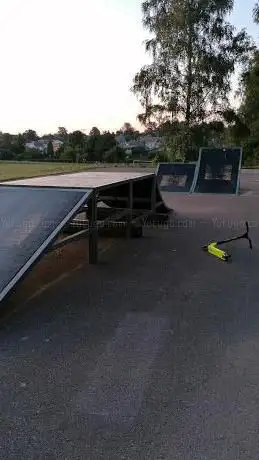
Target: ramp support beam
point(153, 194)
point(68, 239)
point(130, 209)
point(93, 229)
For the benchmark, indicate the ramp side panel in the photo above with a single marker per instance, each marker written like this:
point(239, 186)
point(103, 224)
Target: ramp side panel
point(30, 218)
point(142, 195)
point(218, 171)
point(175, 177)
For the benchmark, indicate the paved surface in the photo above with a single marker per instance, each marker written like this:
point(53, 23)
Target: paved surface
point(151, 355)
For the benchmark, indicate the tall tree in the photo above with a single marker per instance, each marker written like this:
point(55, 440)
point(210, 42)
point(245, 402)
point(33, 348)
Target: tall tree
point(249, 110)
point(48, 137)
point(127, 128)
point(50, 150)
point(30, 135)
point(98, 145)
point(194, 52)
point(62, 133)
point(76, 138)
point(247, 119)
point(18, 146)
point(6, 140)
point(95, 132)
point(151, 127)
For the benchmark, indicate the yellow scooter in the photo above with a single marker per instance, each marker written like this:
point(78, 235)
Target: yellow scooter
point(212, 248)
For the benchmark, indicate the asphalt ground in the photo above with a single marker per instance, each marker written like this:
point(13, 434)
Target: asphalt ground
point(152, 354)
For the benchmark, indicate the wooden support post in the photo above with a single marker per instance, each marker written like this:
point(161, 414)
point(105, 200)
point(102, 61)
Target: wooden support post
point(93, 230)
point(153, 194)
point(130, 208)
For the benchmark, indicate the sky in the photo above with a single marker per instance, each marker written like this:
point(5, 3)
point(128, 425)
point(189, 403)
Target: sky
point(71, 63)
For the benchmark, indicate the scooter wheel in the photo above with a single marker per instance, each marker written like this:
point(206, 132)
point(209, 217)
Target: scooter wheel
point(227, 258)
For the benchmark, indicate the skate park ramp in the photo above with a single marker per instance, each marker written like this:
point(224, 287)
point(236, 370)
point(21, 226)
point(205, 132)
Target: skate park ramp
point(30, 220)
point(175, 177)
point(218, 171)
point(112, 187)
point(34, 212)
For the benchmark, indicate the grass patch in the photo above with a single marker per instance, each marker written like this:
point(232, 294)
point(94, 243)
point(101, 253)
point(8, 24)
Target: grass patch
point(20, 170)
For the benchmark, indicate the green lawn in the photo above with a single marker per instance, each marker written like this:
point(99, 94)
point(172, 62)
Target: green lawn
point(20, 170)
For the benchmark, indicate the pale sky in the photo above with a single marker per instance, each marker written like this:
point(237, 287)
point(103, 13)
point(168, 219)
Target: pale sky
point(71, 63)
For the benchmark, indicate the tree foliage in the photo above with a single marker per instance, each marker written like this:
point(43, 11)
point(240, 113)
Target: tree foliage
point(127, 128)
point(243, 124)
point(18, 145)
point(194, 53)
point(114, 155)
point(249, 110)
point(95, 132)
point(256, 13)
point(50, 150)
point(76, 138)
point(98, 145)
point(30, 135)
point(62, 133)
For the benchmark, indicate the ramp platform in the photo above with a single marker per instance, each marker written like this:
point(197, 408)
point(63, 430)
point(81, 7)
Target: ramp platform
point(218, 171)
point(175, 177)
point(112, 187)
point(35, 212)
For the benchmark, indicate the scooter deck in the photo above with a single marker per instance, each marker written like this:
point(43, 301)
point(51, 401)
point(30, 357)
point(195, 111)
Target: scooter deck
point(219, 253)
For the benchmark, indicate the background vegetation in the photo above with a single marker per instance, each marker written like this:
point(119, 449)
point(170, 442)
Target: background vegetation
point(188, 93)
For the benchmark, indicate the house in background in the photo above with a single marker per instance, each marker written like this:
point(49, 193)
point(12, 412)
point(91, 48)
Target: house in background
point(152, 143)
point(42, 145)
point(56, 144)
point(39, 145)
point(144, 141)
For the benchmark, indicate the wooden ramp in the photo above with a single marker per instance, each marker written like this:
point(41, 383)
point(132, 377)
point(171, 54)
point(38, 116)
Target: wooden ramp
point(34, 212)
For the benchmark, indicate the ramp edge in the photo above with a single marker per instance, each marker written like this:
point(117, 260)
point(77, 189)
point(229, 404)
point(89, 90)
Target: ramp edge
point(44, 247)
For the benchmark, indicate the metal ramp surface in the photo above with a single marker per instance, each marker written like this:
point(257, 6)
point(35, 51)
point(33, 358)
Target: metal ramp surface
point(175, 177)
point(30, 219)
point(218, 171)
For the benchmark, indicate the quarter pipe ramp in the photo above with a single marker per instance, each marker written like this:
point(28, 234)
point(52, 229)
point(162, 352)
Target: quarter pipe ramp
point(34, 212)
point(175, 177)
point(218, 171)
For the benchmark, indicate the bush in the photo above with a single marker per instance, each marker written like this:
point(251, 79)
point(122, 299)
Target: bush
point(33, 155)
point(6, 155)
point(68, 155)
point(114, 155)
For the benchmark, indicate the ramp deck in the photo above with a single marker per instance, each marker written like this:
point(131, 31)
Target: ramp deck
point(34, 211)
point(91, 179)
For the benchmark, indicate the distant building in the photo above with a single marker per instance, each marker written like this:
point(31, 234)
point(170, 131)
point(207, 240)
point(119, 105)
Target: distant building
point(39, 145)
point(42, 145)
point(149, 142)
point(56, 144)
point(152, 142)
